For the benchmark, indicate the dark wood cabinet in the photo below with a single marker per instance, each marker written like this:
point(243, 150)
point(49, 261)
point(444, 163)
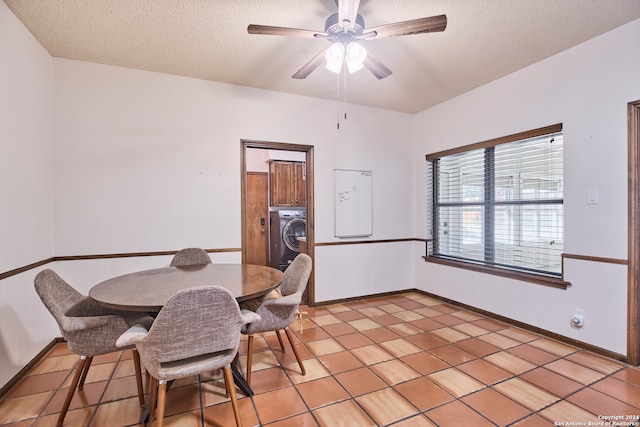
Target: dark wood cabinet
point(287, 183)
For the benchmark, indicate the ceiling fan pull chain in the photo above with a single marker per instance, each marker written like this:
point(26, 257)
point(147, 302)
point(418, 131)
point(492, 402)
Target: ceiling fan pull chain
point(345, 95)
point(344, 82)
point(341, 100)
point(338, 103)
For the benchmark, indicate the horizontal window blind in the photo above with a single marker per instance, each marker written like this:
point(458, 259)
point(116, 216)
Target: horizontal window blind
point(500, 205)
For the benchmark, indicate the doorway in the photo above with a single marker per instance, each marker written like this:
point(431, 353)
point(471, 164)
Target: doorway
point(255, 208)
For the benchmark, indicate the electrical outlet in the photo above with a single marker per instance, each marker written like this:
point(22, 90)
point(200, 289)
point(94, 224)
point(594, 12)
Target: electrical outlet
point(577, 320)
point(374, 277)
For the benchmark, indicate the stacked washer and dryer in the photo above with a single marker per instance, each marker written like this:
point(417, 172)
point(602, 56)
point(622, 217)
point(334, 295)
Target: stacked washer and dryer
point(286, 226)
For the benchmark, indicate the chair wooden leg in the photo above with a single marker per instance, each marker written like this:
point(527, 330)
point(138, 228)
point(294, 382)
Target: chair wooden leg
point(152, 398)
point(280, 340)
point(87, 365)
point(162, 397)
point(249, 358)
point(72, 389)
point(231, 389)
point(295, 351)
point(136, 366)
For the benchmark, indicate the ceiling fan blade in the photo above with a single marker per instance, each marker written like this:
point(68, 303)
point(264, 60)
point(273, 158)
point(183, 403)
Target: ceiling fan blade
point(282, 31)
point(413, 26)
point(347, 11)
point(308, 68)
point(376, 67)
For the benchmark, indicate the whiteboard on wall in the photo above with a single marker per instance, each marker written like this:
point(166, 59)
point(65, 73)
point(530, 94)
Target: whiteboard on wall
point(353, 203)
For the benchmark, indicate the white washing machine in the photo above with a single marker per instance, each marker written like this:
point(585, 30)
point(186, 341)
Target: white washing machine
point(286, 226)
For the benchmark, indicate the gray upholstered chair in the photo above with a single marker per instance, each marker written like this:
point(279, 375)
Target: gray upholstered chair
point(277, 314)
point(89, 328)
point(190, 256)
point(196, 331)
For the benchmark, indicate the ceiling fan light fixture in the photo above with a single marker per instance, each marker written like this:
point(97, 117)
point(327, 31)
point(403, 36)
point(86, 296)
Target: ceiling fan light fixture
point(335, 57)
point(345, 27)
point(355, 56)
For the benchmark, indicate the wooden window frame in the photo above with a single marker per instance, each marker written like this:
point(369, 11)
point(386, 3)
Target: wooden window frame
point(543, 279)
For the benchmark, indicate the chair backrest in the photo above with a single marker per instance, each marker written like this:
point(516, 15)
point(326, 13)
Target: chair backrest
point(296, 276)
point(89, 328)
point(58, 296)
point(190, 256)
point(194, 322)
point(278, 313)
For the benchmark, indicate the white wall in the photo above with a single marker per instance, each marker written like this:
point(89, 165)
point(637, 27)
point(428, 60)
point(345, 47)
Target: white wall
point(159, 158)
point(586, 88)
point(26, 233)
point(356, 270)
point(26, 191)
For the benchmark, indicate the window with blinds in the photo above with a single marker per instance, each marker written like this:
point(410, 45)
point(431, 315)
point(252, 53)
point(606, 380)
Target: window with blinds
point(499, 203)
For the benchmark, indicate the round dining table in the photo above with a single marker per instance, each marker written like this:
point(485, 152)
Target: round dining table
point(148, 290)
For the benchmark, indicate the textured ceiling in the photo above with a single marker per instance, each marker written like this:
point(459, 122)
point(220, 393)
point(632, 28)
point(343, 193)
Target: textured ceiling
point(208, 39)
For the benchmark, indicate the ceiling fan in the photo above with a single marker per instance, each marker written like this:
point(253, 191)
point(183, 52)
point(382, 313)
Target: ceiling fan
point(344, 30)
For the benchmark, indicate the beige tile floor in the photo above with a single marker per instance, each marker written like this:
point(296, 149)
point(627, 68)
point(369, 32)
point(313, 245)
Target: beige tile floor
point(404, 360)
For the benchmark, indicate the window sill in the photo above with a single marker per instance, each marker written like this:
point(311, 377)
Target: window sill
point(516, 275)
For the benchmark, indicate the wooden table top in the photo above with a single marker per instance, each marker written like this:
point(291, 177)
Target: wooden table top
point(148, 290)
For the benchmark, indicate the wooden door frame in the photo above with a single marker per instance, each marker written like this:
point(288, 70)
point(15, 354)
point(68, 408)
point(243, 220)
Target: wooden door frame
point(633, 279)
point(308, 150)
